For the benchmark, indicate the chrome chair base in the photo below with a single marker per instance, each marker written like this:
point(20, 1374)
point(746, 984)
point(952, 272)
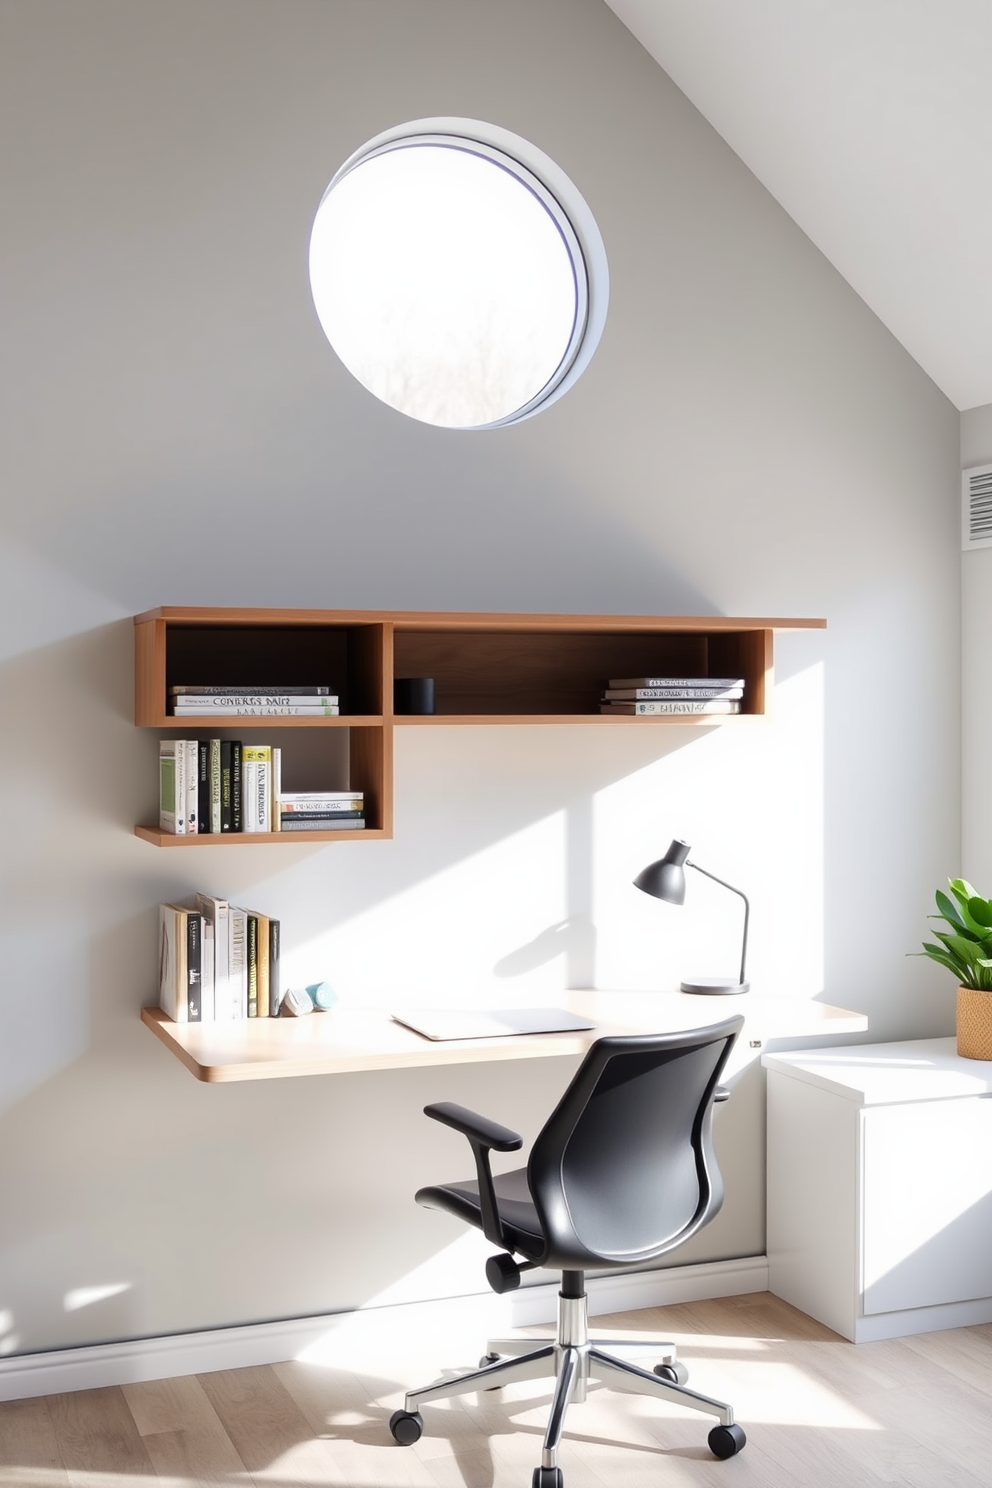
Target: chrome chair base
point(573, 1360)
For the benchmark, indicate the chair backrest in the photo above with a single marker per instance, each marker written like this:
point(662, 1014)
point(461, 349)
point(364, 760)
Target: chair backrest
point(624, 1168)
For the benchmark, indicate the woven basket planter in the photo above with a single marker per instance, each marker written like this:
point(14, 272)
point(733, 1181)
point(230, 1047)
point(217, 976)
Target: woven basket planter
point(974, 1018)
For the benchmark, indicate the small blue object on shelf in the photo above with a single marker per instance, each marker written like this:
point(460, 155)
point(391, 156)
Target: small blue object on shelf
point(322, 995)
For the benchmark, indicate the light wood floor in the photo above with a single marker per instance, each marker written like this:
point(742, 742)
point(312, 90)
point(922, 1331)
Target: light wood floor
point(819, 1413)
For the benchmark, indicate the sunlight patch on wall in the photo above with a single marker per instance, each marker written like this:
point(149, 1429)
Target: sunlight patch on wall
point(455, 1268)
point(9, 1340)
point(750, 802)
point(445, 935)
point(87, 1296)
point(552, 904)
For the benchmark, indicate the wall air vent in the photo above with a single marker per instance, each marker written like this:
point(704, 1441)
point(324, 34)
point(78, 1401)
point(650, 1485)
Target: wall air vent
point(976, 507)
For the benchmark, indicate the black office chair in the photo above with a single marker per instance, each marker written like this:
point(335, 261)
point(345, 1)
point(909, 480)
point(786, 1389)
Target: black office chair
point(622, 1172)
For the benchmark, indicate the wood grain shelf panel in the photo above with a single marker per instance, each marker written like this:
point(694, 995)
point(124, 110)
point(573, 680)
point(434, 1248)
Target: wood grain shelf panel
point(158, 838)
point(218, 722)
point(586, 720)
point(509, 669)
point(478, 620)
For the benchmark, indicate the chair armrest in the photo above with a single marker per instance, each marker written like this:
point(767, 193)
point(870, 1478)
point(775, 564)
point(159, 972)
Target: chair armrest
point(484, 1136)
point(477, 1128)
point(721, 1093)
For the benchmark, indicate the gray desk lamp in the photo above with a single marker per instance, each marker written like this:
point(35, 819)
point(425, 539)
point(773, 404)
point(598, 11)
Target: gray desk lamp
point(665, 879)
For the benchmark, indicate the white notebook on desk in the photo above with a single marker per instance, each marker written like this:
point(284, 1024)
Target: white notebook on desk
point(473, 1023)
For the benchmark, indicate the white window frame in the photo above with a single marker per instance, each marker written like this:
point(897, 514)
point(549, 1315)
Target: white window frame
point(565, 205)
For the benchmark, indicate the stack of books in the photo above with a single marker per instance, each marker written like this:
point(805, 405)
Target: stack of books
point(320, 811)
point(651, 696)
point(223, 785)
point(249, 702)
point(218, 963)
point(217, 785)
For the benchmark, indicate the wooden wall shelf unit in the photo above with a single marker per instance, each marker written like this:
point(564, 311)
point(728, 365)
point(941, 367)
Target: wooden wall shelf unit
point(488, 669)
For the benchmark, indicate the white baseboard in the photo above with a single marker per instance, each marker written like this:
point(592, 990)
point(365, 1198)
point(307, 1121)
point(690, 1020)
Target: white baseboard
point(331, 1337)
point(922, 1320)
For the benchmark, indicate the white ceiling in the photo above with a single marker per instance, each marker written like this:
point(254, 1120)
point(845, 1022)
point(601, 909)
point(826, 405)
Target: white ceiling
point(870, 121)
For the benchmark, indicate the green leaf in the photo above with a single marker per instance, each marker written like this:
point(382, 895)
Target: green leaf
point(966, 949)
point(938, 951)
point(972, 926)
point(947, 940)
point(980, 911)
point(943, 959)
point(962, 890)
point(958, 927)
point(948, 910)
point(962, 970)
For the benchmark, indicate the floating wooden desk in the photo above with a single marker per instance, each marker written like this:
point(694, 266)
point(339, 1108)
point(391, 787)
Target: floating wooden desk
point(352, 1039)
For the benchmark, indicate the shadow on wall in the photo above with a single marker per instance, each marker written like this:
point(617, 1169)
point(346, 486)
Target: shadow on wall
point(429, 519)
point(574, 938)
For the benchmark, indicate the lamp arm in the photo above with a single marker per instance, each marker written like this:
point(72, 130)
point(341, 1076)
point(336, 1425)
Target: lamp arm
point(747, 907)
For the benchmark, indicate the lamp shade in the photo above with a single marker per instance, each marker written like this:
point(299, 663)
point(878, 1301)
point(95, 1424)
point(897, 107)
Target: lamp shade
point(665, 879)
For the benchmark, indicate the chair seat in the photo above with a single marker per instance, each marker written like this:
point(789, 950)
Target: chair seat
point(516, 1208)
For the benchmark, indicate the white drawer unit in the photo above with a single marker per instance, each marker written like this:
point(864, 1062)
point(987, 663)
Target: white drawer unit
point(880, 1187)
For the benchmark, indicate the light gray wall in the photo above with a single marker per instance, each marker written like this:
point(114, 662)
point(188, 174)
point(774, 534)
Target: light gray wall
point(976, 704)
point(748, 440)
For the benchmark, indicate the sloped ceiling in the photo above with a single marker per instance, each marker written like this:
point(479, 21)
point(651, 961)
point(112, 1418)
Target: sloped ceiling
point(870, 121)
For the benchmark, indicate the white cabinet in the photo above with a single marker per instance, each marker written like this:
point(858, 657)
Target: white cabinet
point(880, 1187)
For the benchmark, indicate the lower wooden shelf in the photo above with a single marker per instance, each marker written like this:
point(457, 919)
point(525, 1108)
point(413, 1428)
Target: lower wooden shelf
point(248, 839)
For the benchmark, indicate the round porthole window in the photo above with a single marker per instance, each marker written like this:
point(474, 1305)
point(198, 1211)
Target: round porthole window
point(458, 274)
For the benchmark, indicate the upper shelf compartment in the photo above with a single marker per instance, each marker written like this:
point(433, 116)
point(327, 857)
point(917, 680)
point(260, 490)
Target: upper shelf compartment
point(260, 648)
point(488, 668)
point(553, 668)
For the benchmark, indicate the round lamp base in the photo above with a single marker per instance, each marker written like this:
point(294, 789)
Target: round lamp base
point(715, 986)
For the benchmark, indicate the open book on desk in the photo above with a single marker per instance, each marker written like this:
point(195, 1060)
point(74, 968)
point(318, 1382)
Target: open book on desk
point(473, 1023)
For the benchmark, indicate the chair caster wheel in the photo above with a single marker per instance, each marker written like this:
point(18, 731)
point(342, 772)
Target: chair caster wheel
point(675, 1374)
point(547, 1477)
point(407, 1427)
point(726, 1441)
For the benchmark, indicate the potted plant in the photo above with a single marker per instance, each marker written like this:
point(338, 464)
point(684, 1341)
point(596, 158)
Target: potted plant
point(965, 948)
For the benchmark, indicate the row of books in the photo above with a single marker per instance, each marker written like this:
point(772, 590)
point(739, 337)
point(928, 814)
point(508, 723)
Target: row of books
point(225, 786)
point(646, 696)
point(217, 963)
point(266, 702)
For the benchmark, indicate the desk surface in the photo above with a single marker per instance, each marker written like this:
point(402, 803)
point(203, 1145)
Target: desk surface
point(351, 1039)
